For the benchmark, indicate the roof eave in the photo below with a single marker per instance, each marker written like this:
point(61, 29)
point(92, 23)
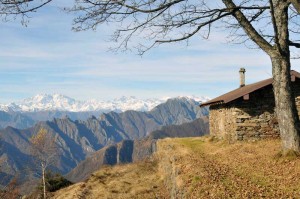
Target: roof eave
point(224, 99)
point(212, 103)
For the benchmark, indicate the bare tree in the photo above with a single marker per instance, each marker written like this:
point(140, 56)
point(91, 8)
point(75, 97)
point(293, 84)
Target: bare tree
point(272, 25)
point(20, 8)
point(44, 151)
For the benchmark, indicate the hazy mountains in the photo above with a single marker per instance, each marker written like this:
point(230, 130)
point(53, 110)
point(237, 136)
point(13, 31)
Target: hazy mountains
point(80, 138)
point(15, 119)
point(43, 107)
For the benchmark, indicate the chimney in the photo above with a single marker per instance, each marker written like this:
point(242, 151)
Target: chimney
point(242, 77)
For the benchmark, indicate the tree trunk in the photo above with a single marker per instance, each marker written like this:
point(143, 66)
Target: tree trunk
point(286, 111)
point(44, 181)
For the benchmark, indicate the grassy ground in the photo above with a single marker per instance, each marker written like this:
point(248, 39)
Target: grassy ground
point(241, 170)
point(198, 168)
point(140, 180)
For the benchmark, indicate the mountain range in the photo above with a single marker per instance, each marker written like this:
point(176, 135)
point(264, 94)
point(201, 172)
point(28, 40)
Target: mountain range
point(43, 107)
point(79, 139)
point(58, 102)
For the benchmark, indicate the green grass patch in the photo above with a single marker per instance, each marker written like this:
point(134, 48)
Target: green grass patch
point(192, 143)
point(196, 179)
point(287, 155)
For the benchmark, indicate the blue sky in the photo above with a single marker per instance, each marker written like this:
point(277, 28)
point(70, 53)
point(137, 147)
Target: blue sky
point(48, 57)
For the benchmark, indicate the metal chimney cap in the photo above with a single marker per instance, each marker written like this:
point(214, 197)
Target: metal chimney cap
point(242, 70)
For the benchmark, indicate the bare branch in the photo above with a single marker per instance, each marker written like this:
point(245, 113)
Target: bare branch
point(296, 45)
point(20, 8)
point(157, 21)
point(296, 4)
point(248, 28)
point(187, 36)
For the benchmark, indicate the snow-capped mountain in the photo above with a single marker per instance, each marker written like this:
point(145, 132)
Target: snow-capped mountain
point(48, 102)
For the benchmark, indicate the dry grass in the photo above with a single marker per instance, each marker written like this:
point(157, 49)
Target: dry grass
point(140, 180)
point(240, 170)
point(198, 168)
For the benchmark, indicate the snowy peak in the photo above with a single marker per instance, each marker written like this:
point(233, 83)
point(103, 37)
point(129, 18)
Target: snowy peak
point(43, 102)
point(133, 103)
point(57, 99)
point(58, 102)
point(47, 98)
point(195, 98)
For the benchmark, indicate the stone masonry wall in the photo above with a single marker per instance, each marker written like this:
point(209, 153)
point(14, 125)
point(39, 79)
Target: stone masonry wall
point(248, 119)
point(222, 121)
point(296, 89)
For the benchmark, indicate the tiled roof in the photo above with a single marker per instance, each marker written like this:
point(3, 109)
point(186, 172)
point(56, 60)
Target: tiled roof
point(240, 92)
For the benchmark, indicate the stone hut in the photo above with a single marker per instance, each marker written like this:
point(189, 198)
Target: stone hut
point(248, 112)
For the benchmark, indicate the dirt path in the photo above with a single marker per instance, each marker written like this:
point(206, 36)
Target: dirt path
point(241, 170)
point(198, 168)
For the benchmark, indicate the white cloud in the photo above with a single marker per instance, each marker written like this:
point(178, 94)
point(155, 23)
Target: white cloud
point(46, 57)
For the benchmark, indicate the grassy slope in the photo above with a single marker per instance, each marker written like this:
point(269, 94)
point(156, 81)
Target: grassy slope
point(140, 180)
point(198, 168)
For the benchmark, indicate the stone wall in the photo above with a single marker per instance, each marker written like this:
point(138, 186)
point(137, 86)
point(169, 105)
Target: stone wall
point(296, 89)
point(222, 121)
point(248, 119)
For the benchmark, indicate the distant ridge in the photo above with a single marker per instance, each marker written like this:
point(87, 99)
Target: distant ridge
point(59, 102)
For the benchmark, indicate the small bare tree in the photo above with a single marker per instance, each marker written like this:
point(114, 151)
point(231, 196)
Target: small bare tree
point(44, 152)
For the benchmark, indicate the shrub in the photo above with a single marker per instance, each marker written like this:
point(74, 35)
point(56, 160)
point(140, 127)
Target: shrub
point(56, 181)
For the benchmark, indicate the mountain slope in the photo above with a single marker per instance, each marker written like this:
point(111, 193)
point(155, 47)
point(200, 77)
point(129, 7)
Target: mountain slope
point(15, 119)
point(79, 139)
point(197, 168)
point(135, 150)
